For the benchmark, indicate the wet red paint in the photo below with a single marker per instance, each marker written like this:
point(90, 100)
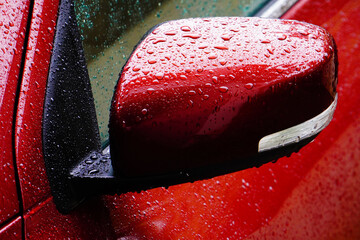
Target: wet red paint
point(13, 19)
point(314, 194)
point(12, 230)
point(28, 140)
point(90, 221)
point(256, 84)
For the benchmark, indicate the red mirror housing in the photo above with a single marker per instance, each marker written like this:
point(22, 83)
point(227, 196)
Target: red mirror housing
point(201, 92)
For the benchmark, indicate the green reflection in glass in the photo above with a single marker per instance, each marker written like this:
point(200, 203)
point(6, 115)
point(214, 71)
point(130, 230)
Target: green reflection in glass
point(111, 28)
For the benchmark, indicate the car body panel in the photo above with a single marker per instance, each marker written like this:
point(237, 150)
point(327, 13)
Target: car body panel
point(89, 221)
point(12, 230)
point(28, 140)
point(313, 194)
point(13, 21)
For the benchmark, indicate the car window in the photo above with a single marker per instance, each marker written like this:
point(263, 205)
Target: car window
point(111, 29)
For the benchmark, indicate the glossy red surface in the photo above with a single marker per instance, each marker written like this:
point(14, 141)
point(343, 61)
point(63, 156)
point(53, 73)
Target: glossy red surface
point(13, 19)
point(90, 221)
point(204, 91)
point(28, 140)
point(11, 231)
point(314, 194)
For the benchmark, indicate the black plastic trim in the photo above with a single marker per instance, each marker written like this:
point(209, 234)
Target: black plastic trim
point(70, 129)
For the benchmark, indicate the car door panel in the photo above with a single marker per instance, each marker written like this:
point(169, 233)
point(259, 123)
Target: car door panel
point(309, 195)
point(28, 140)
point(90, 221)
point(12, 230)
point(13, 20)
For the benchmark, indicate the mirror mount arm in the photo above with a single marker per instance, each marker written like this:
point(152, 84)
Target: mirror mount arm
point(70, 129)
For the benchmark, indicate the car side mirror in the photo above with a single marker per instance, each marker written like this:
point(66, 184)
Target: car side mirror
point(197, 98)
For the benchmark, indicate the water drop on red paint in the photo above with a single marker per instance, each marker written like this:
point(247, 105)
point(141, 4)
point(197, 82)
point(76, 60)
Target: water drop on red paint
point(212, 56)
point(226, 37)
point(303, 32)
point(151, 61)
point(265, 41)
point(183, 77)
point(206, 96)
point(192, 92)
point(249, 86)
point(146, 71)
point(185, 28)
point(150, 90)
point(157, 40)
point(215, 79)
point(282, 37)
point(223, 89)
point(202, 46)
point(159, 75)
point(223, 61)
point(144, 111)
point(193, 35)
point(171, 33)
point(136, 68)
point(221, 47)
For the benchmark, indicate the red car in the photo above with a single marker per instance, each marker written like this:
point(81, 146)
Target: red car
point(47, 194)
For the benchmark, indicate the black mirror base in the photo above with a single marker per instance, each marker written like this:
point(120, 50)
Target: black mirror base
point(94, 175)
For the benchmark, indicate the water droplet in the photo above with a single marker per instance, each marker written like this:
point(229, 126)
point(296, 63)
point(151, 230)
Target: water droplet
point(212, 56)
point(221, 47)
point(271, 50)
point(282, 37)
point(223, 61)
point(215, 79)
point(157, 40)
point(185, 28)
point(199, 70)
point(151, 61)
point(223, 89)
point(205, 97)
point(303, 32)
point(226, 37)
point(193, 35)
point(136, 68)
point(202, 46)
point(159, 75)
point(89, 161)
point(145, 71)
point(150, 90)
point(144, 111)
point(93, 171)
point(192, 92)
point(183, 77)
point(171, 33)
point(249, 86)
point(265, 41)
